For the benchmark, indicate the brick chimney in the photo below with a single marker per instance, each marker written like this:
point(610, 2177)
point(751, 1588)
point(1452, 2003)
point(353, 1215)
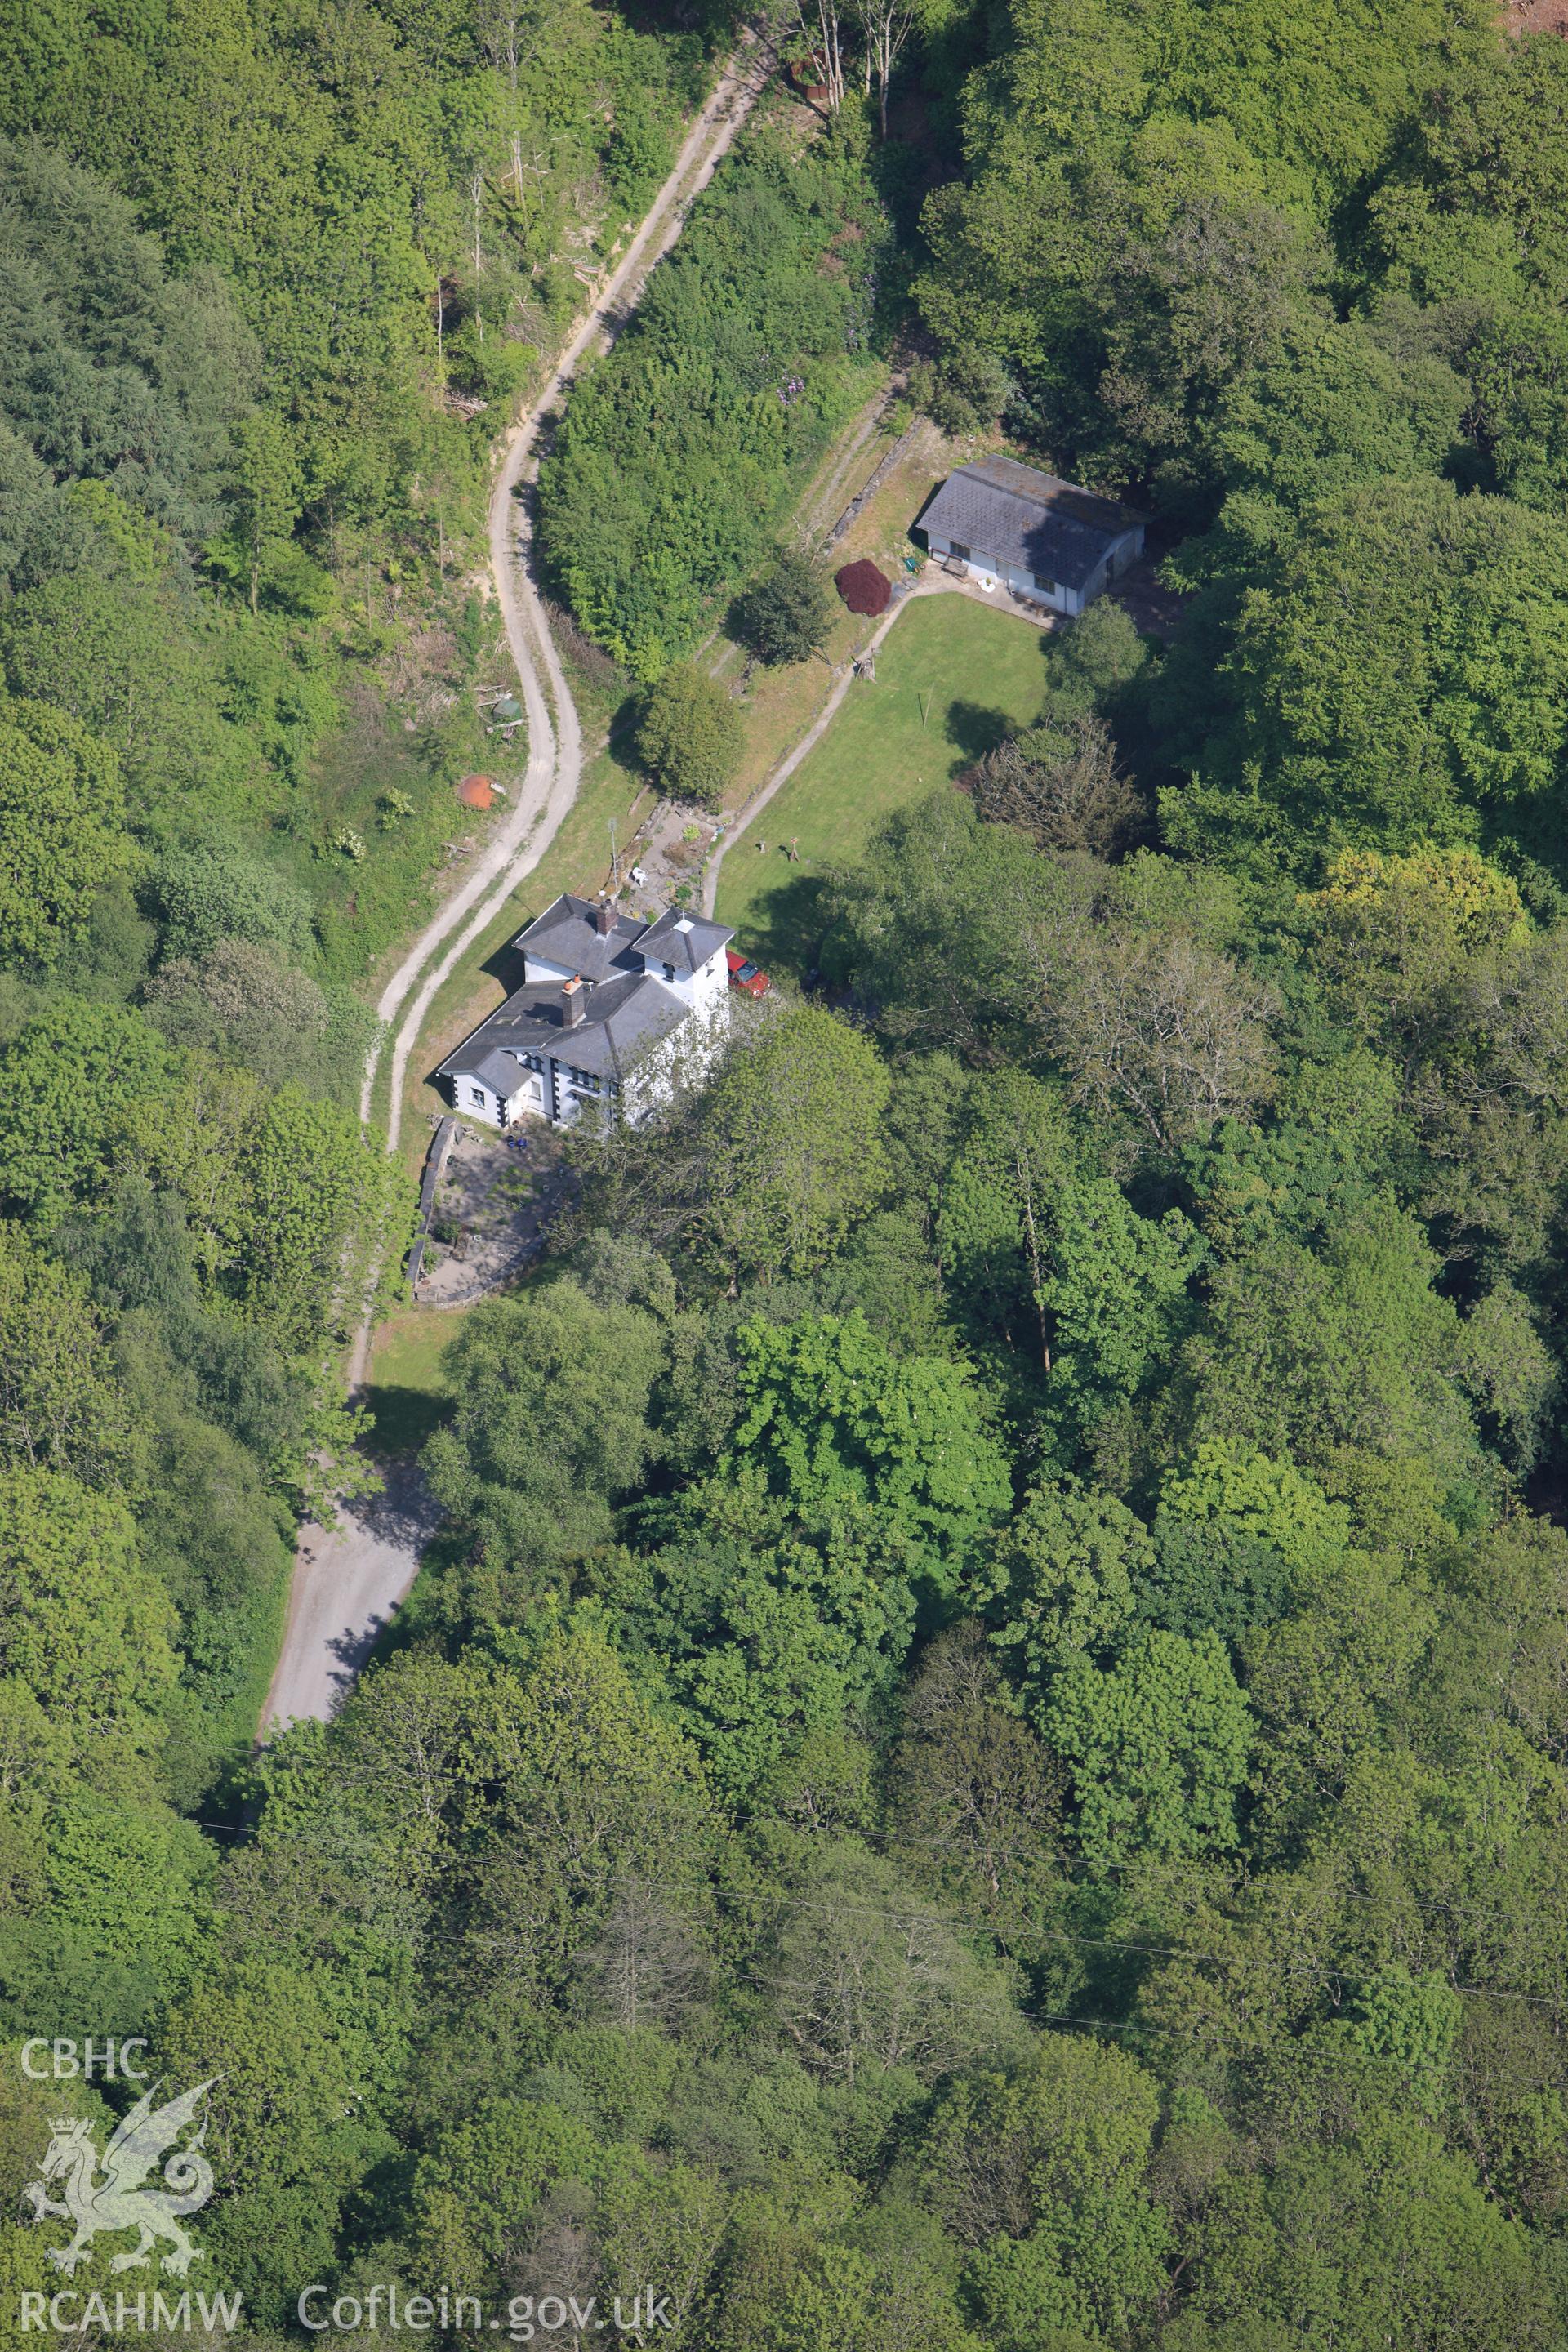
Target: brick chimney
point(604, 918)
point(573, 997)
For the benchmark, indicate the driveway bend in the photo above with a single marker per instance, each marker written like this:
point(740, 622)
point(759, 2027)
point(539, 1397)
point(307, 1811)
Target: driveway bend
point(554, 769)
point(349, 1581)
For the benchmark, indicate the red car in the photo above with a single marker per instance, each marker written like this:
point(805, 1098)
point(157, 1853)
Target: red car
point(745, 976)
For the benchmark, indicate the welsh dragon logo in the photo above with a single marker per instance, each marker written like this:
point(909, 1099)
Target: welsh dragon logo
point(118, 2200)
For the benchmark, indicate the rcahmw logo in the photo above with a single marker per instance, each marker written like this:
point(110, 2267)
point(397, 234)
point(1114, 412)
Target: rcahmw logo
point(149, 2314)
point(122, 2196)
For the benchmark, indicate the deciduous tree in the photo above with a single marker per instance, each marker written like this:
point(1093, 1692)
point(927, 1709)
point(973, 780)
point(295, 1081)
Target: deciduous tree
point(1403, 673)
point(785, 614)
point(83, 1624)
point(792, 1145)
point(62, 829)
point(1157, 1745)
point(832, 1418)
point(60, 1402)
point(551, 1423)
point(866, 1976)
point(690, 736)
point(1062, 786)
point(72, 1083)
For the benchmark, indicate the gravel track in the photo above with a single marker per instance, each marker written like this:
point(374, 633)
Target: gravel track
point(350, 1580)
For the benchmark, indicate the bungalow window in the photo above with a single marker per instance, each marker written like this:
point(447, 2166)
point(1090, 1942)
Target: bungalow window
point(959, 550)
point(476, 1096)
point(1046, 587)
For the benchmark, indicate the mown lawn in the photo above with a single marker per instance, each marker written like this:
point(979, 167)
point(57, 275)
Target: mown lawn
point(953, 678)
point(406, 1394)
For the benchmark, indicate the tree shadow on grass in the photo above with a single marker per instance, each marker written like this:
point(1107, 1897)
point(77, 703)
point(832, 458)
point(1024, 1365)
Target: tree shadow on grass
point(975, 730)
point(783, 927)
point(404, 1418)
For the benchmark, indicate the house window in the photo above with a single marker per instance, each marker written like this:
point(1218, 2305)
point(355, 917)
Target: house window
point(959, 548)
point(670, 971)
point(1046, 587)
point(476, 1096)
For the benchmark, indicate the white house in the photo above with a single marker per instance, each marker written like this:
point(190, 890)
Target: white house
point(1032, 531)
point(612, 1013)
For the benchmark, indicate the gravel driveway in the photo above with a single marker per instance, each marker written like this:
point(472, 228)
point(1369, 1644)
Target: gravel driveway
point(348, 1582)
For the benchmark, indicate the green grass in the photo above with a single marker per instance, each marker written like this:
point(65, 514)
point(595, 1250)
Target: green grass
point(953, 678)
point(365, 906)
point(406, 1394)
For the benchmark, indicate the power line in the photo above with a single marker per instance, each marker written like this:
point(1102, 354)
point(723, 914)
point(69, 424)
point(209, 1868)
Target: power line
point(908, 1916)
point(1077, 1872)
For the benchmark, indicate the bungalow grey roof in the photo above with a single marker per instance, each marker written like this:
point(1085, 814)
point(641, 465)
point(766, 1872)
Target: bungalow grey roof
point(1028, 520)
point(621, 1018)
point(567, 934)
point(685, 941)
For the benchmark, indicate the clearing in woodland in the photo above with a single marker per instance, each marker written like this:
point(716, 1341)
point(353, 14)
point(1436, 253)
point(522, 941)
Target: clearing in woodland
point(954, 679)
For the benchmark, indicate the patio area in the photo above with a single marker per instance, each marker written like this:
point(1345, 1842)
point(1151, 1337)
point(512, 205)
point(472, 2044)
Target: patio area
point(493, 1206)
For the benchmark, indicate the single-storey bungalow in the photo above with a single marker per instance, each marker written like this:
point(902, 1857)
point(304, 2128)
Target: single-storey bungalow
point(612, 1011)
point(1033, 532)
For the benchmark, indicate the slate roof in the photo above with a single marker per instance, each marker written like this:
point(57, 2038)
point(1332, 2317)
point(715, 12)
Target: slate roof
point(621, 1018)
point(688, 948)
point(497, 1071)
point(1031, 521)
point(625, 1010)
point(566, 934)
